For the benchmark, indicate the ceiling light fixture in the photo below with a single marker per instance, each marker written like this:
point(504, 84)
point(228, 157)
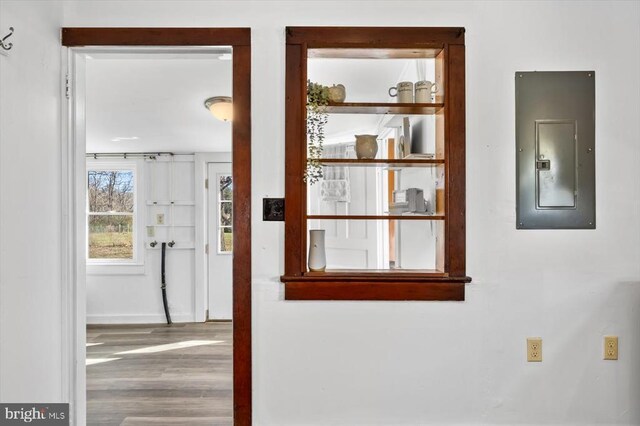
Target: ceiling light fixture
point(220, 107)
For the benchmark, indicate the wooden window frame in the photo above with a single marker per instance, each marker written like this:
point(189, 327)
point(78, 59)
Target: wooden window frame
point(371, 285)
point(240, 40)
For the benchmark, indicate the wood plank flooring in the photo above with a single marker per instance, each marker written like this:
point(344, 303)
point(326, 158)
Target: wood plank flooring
point(160, 375)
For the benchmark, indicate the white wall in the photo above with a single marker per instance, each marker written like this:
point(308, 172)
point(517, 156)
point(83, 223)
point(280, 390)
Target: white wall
point(382, 363)
point(127, 294)
point(30, 308)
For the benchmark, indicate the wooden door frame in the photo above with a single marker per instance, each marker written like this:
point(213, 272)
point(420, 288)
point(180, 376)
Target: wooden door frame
point(240, 40)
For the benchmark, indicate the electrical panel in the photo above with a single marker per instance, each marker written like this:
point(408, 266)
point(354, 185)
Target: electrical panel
point(555, 150)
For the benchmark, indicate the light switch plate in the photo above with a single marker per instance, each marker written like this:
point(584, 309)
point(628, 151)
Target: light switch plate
point(534, 349)
point(611, 347)
point(151, 231)
point(273, 209)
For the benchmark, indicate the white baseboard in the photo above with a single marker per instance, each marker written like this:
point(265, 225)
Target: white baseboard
point(138, 319)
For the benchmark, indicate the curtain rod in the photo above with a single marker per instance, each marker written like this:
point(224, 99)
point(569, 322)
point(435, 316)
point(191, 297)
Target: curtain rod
point(97, 155)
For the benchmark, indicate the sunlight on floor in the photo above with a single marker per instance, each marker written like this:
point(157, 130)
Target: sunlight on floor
point(93, 344)
point(170, 346)
point(93, 361)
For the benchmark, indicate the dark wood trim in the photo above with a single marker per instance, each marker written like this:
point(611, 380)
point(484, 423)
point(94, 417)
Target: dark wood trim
point(447, 189)
point(388, 275)
point(375, 217)
point(373, 290)
point(241, 163)
point(294, 161)
point(240, 40)
point(425, 51)
point(380, 37)
point(380, 108)
point(447, 44)
point(302, 148)
point(76, 37)
point(456, 162)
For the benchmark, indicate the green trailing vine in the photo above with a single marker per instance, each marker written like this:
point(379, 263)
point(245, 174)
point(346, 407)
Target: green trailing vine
point(317, 100)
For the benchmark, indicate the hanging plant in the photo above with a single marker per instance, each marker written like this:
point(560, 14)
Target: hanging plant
point(317, 100)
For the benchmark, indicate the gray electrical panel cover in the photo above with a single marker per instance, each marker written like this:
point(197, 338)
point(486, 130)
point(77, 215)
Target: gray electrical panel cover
point(555, 150)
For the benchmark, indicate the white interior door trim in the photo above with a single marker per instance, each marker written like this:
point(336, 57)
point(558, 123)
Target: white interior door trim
point(73, 230)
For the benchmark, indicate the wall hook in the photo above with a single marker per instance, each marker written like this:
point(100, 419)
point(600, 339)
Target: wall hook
point(7, 46)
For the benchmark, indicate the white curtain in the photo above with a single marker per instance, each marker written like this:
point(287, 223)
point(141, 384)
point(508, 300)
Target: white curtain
point(335, 184)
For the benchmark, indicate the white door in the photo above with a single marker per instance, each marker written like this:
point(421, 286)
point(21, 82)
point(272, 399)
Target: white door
point(220, 240)
point(350, 244)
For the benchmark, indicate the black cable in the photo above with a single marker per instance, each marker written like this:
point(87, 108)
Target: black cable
point(164, 285)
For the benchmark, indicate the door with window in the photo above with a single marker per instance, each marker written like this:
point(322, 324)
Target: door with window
point(220, 240)
point(349, 244)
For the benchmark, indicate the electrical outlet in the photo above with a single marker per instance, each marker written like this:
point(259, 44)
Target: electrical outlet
point(151, 231)
point(160, 219)
point(534, 349)
point(611, 347)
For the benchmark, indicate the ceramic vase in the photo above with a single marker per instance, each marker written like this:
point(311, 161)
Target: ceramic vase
point(337, 93)
point(317, 256)
point(366, 146)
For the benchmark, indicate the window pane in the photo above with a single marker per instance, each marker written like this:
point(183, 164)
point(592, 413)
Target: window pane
point(226, 187)
point(382, 244)
point(226, 212)
point(226, 240)
point(110, 191)
point(110, 237)
point(354, 190)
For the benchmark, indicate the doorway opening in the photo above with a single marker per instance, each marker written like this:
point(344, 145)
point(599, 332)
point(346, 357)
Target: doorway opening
point(219, 241)
point(158, 202)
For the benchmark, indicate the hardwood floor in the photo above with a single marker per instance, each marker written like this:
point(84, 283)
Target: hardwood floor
point(160, 374)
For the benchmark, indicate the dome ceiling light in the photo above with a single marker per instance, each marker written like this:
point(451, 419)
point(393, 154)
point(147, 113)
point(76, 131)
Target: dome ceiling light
point(220, 107)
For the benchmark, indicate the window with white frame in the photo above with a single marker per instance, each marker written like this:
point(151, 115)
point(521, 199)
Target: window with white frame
point(111, 213)
point(225, 213)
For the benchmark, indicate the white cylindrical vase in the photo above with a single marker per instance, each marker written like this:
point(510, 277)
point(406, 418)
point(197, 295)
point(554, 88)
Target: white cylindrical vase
point(317, 255)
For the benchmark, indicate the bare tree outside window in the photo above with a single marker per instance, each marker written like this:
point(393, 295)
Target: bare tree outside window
point(111, 201)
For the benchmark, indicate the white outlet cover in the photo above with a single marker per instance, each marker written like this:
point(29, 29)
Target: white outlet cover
point(160, 218)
